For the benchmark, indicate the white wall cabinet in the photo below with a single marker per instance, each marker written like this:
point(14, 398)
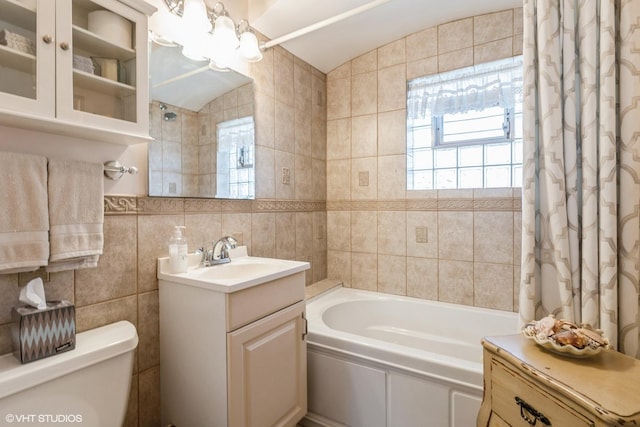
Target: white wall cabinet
point(60, 77)
point(233, 359)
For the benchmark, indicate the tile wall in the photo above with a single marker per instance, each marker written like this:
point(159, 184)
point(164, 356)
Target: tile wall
point(287, 220)
point(459, 246)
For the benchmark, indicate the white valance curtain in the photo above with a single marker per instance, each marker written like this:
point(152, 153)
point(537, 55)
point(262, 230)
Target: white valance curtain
point(581, 183)
point(467, 89)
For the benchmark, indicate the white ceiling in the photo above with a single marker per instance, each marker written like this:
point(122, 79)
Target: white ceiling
point(332, 46)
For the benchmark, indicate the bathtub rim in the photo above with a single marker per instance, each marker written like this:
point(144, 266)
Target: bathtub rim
point(404, 359)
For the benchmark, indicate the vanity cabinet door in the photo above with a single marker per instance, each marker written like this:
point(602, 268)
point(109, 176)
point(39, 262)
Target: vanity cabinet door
point(267, 376)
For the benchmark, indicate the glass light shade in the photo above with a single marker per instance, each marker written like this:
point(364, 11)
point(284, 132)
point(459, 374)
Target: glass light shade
point(194, 46)
point(249, 48)
point(194, 16)
point(224, 33)
point(165, 27)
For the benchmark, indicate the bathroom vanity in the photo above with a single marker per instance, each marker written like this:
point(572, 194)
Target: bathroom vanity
point(233, 343)
point(525, 385)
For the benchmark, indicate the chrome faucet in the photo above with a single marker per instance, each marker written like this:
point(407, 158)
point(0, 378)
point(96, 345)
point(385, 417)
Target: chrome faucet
point(219, 253)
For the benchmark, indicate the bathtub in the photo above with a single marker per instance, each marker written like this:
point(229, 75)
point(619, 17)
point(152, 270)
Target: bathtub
point(379, 360)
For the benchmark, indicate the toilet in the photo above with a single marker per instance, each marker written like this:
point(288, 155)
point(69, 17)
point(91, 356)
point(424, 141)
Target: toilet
point(86, 386)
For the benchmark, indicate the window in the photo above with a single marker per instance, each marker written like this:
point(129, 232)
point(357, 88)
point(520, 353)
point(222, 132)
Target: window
point(464, 128)
point(235, 175)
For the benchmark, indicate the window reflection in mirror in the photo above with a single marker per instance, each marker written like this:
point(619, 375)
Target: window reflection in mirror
point(235, 177)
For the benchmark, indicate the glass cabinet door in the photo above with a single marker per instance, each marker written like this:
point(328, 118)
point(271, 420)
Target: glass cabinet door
point(27, 55)
point(98, 69)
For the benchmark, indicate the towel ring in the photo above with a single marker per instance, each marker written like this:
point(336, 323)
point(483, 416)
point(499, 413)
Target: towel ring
point(114, 170)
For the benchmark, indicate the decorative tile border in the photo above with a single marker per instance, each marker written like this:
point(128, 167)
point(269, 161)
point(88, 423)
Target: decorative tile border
point(142, 205)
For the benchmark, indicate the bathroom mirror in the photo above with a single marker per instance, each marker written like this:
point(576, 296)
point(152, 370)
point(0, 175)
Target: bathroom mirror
point(203, 129)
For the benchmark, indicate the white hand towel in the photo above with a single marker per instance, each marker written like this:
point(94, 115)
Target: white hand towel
point(76, 214)
point(24, 218)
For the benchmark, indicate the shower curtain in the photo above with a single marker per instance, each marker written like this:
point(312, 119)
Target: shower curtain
point(581, 184)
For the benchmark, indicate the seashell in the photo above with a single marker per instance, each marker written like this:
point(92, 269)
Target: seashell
point(594, 337)
point(571, 337)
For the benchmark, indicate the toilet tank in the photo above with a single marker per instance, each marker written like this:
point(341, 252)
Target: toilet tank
point(87, 386)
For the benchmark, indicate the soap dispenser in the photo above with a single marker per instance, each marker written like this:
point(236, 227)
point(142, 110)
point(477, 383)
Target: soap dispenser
point(178, 253)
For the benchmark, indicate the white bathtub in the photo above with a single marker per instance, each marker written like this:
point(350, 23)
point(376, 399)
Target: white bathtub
point(379, 360)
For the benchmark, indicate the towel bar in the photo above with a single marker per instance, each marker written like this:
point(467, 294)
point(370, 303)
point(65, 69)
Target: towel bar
point(114, 170)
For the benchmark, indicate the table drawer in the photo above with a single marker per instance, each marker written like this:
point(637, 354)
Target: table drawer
point(519, 403)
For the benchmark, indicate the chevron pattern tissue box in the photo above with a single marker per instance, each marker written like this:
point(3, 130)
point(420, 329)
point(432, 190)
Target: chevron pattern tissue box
point(37, 334)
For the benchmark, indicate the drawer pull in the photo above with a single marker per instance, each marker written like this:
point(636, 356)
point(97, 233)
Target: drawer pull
point(531, 415)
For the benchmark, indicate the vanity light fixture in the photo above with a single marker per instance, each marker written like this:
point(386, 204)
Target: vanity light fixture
point(205, 34)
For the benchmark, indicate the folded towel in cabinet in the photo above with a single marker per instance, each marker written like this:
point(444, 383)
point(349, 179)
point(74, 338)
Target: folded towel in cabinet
point(76, 214)
point(24, 218)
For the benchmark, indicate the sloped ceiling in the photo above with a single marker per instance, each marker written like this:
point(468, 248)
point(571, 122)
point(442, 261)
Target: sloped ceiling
point(332, 46)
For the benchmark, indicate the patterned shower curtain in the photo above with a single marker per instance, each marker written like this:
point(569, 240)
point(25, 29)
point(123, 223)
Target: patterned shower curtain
point(581, 185)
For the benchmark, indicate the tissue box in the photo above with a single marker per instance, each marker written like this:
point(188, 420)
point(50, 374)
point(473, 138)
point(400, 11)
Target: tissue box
point(37, 334)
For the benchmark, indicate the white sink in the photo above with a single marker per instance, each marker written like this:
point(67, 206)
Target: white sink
point(241, 273)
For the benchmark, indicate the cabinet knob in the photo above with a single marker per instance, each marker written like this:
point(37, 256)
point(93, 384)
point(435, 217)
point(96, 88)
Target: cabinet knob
point(46, 38)
point(64, 46)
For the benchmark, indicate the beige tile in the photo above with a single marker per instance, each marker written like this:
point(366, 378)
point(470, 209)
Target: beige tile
point(340, 72)
point(517, 238)
point(493, 237)
point(392, 233)
point(423, 44)
point(237, 225)
point(422, 226)
point(392, 177)
point(320, 231)
point(364, 93)
point(339, 139)
point(339, 230)
point(365, 63)
point(422, 67)
point(392, 88)
point(492, 26)
point(263, 232)
point(364, 271)
point(265, 120)
point(493, 286)
point(392, 131)
point(455, 35)
point(338, 179)
point(303, 189)
point(455, 236)
point(319, 177)
point(284, 127)
point(454, 60)
point(189, 128)
point(518, 45)
point(455, 282)
point(172, 130)
point(149, 400)
point(62, 285)
point(319, 265)
point(262, 73)
point(155, 120)
point(304, 234)
point(392, 274)
point(493, 51)
point(338, 98)
point(154, 232)
point(285, 235)
point(518, 20)
point(393, 53)
point(364, 178)
point(131, 419)
point(265, 173)
point(339, 266)
point(202, 229)
point(104, 313)
point(516, 288)
point(302, 86)
point(364, 136)
point(283, 78)
point(302, 132)
point(422, 278)
point(118, 264)
point(10, 292)
point(285, 190)
point(364, 236)
point(6, 345)
point(148, 330)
